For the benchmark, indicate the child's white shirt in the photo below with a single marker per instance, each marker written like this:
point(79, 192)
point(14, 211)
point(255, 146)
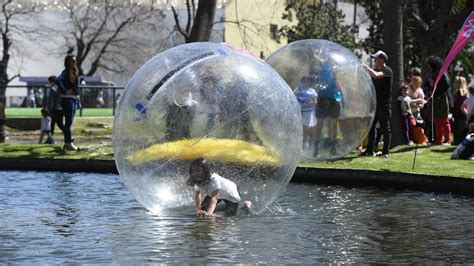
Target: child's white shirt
point(405, 103)
point(227, 189)
point(45, 123)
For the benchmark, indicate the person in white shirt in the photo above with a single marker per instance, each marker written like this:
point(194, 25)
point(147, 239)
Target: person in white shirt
point(46, 128)
point(215, 188)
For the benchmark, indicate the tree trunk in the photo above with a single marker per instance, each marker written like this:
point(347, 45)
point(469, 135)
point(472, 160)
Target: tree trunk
point(3, 89)
point(3, 117)
point(393, 46)
point(202, 27)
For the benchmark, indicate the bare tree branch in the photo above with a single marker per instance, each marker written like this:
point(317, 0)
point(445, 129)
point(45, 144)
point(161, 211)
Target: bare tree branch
point(178, 25)
point(104, 26)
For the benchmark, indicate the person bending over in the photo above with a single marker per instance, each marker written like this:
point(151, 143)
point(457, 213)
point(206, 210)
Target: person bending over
point(215, 188)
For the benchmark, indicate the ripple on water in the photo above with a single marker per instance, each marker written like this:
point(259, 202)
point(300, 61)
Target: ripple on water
point(53, 217)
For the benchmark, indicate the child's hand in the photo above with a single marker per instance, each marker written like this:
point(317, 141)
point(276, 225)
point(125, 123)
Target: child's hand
point(201, 213)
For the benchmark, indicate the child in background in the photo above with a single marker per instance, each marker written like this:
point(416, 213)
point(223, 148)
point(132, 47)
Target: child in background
point(46, 128)
point(306, 97)
point(407, 115)
point(416, 94)
point(215, 188)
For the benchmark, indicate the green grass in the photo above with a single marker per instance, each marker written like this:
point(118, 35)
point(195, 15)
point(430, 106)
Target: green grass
point(433, 160)
point(93, 134)
point(54, 152)
point(36, 112)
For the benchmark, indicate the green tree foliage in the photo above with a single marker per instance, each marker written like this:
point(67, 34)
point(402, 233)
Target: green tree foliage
point(317, 21)
point(429, 27)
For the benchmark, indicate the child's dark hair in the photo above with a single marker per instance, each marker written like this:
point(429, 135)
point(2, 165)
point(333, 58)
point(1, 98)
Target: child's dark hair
point(201, 163)
point(44, 112)
point(401, 89)
point(52, 78)
point(471, 90)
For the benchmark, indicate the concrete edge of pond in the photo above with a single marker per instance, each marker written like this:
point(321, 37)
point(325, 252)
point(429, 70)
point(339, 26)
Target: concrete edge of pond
point(345, 177)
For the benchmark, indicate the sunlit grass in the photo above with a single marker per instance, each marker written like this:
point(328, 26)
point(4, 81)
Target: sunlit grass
point(90, 152)
point(13, 112)
point(94, 136)
point(432, 160)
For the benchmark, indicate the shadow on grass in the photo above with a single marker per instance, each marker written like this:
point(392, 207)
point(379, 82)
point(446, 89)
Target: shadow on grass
point(447, 150)
point(38, 151)
point(410, 148)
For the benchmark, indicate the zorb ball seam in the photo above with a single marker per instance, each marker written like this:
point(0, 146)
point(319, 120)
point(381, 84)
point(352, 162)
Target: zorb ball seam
point(206, 100)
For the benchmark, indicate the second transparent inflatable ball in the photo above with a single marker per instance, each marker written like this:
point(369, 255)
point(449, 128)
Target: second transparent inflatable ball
point(335, 93)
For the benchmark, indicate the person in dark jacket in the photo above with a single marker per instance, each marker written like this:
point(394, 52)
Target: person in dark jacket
point(68, 84)
point(441, 103)
point(382, 76)
point(53, 103)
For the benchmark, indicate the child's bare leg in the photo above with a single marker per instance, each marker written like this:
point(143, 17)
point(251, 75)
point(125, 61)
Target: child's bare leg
point(41, 137)
point(306, 136)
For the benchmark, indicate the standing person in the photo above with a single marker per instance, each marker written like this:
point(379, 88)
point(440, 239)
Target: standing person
point(460, 95)
point(210, 95)
point(328, 105)
point(382, 77)
point(68, 84)
point(54, 105)
point(307, 99)
point(180, 114)
point(407, 115)
point(31, 99)
point(100, 99)
point(440, 103)
point(417, 95)
point(46, 128)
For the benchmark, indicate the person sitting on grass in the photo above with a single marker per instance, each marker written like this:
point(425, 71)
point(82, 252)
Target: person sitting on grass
point(46, 128)
point(215, 188)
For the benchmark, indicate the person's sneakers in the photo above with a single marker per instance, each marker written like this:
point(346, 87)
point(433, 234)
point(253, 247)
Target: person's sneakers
point(384, 155)
point(316, 149)
point(333, 150)
point(70, 147)
point(365, 153)
point(447, 143)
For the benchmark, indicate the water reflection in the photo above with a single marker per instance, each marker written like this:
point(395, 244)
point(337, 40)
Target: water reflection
point(91, 218)
point(65, 213)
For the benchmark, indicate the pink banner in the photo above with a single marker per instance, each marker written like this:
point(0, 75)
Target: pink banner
point(466, 33)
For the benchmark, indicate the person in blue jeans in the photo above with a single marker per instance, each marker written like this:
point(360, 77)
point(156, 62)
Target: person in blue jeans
point(68, 85)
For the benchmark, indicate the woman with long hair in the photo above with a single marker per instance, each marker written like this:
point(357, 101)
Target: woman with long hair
point(68, 84)
point(460, 95)
point(440, 103)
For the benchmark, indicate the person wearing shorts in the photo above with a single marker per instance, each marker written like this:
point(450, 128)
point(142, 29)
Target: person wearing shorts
point(328, 106)
point(306, 97)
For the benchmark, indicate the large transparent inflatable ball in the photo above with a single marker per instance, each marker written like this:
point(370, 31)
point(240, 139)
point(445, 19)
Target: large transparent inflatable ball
point(206, 100)
point(335, 93)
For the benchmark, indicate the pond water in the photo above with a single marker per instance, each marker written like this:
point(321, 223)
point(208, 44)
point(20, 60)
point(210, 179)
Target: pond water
point(53, 217)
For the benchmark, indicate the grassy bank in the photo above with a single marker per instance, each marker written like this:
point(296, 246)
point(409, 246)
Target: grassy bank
point(36, 112)
point(94, 136)
point(430, 160)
